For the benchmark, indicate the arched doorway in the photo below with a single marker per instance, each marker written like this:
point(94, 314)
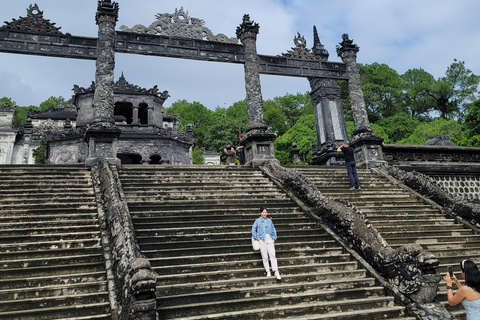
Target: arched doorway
point(124, 109)
point(129, 158)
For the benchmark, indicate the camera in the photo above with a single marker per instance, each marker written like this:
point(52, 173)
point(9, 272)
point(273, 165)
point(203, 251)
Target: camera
point(450, 271)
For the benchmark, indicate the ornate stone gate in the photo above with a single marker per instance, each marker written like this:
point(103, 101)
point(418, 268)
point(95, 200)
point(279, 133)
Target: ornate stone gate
point(180, 36)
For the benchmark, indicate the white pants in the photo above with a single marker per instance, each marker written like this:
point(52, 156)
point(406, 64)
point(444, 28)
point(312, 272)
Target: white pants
point(267, 249)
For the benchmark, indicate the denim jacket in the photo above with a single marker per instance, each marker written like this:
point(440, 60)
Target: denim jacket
point(260, 231)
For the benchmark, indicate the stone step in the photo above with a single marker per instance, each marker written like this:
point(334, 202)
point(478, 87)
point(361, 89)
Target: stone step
point(40, 237)
point(58, 203)
point(244, 246)
point(315, 288)
point(53, 302)
point(322, 265)
point(262, 282)
point(52, 261)
point(49, 291)
point(31, 218)
point(42, 253)
point(275, 308)
point(99, 310)
point(40, 277)
point(46, 224)
point(258, 274)
point(50, 229)
point(20, 211)
point(414, 220)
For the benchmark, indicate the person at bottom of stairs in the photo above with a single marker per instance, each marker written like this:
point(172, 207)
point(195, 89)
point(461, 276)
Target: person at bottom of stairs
point(264, 231)
point(469, 294)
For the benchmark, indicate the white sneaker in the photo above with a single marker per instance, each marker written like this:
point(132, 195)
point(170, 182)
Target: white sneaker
point(277, 274)
point(269, 274)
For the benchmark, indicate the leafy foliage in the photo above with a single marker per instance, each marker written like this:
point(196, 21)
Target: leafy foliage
point(399, 126)
point(302, 133)
point(197, 155)
point(430, 130)
point(472, 119)
point(40, 153)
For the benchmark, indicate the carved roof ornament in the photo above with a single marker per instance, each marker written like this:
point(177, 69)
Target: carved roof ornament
point(122, 85)
point(318, 48)
point(179, 24)
point(33, 22)
point(300, 50)
point(346, 45)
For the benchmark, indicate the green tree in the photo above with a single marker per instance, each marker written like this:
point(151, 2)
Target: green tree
point(472, 119)
point(436, 127)
point(40, 153)
point(302, 133)
point(194, 114)
point(294, 106)
point(274, 117)
point(455, 92)
point(377, 130)
point(382, 90)
point(416, 100)
point(197, 155)
point(221, 134)
point(399, 126)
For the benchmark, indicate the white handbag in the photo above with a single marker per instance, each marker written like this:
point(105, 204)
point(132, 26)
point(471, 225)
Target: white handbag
point(255, 242)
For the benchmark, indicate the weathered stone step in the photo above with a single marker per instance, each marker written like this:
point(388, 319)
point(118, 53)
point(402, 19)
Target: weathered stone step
point(53, 290)
point(317, 289)
point(72, 311)
point(418, 228)
point(49, 245)
point(219, 229)
point(237, 246)
point(45, 191)
point(53, 301)
point(227, 221)
point(45, 230)
point(223, 217)
point(272, 308)
point(425, 240)
point(273, 209)
point(42, 276)
point(65, 205)
point(393, 215)
point(252, 256)
point(19, 211)
point(289, 275)
point(40, 237)
point(254, 204)
point(31, 218)
point(290, 267)
point(41, 198)
point(45, 224)
point(227, 196)
point(53, 262)
point(192, 241)
point(259, 282)
point(425, 233)
point(402, 223)
point(42, 253)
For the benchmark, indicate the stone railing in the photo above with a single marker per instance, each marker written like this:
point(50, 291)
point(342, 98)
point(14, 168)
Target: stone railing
point(135, 282)
point(429, 188)
point(409, 269)
point(396, 154)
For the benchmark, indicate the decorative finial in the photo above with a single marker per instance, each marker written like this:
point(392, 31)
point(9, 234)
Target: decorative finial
point(318, 49)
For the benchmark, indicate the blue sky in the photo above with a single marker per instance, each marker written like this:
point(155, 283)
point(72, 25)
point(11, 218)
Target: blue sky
point(404, 34)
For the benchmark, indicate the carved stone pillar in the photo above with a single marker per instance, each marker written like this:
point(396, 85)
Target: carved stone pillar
point(368, 150)
point(258, 142)
point(150, 115)
point(135, 115)
point(101, 134)
point(328, 111)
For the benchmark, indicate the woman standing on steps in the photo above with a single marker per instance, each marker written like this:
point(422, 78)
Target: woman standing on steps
point(264, 231)
point(469, 294)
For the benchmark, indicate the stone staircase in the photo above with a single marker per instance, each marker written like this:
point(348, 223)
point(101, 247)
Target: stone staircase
point(51, 259)
point(194, 223)
point(403, 218)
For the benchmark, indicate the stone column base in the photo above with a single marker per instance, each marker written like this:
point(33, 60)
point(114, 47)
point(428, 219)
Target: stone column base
point(102, 144)
point(368, 151)
point(258, 146)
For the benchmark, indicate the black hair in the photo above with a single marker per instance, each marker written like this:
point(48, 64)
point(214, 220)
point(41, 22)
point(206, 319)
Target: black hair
point(472, 274)
point(262, 208)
